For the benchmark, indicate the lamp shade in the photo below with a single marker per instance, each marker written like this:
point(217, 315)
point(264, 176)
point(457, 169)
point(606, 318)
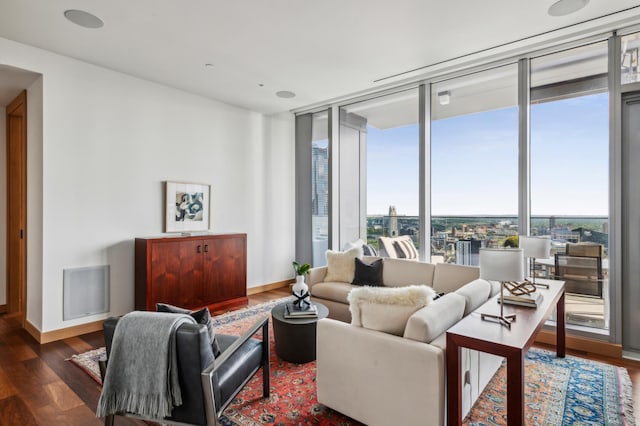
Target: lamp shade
point(502, 264)
point(538, 247)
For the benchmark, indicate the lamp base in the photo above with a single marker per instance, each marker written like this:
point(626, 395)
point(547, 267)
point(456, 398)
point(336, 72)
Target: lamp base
point(505, 320)
point(540, 285)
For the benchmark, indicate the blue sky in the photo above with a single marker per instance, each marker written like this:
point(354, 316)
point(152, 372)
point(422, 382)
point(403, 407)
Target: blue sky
point(475, 162)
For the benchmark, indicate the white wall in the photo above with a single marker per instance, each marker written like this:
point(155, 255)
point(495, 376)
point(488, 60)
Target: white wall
point(3, 205)
point(109, 141)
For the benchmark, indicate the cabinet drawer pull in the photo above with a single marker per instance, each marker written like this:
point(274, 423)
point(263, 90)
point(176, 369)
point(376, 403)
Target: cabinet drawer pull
point(199, 249)
point(206, 248)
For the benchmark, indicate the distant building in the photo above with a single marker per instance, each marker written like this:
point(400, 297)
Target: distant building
point(319, 181)
point(587, 235)
point(564, 234)
point(468, 252)
point(393, 222)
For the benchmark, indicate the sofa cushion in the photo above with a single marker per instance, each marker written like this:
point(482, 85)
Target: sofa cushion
point(368, 273)
point(431, 321)
point(387, 309)
point(475, 294)
point(449, 277)
point(401, 272)
point(341, 265)
point(335, 291)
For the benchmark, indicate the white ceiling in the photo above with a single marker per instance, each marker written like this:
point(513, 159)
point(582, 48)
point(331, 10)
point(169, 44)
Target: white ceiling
point(321, 50)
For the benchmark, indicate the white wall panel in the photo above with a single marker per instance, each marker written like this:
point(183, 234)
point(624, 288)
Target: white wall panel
point(109, 141)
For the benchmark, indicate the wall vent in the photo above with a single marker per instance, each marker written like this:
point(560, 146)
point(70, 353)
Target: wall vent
point(85, 291)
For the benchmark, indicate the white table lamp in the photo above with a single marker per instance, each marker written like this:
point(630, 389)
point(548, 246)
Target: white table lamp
point(535, 247)
point(501, 265)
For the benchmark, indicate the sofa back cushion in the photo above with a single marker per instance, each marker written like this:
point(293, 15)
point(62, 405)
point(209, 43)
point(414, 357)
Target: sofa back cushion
point(387, 309)
point(401, 272)
point(448, 277)
point(475, 294)
point(431, 321)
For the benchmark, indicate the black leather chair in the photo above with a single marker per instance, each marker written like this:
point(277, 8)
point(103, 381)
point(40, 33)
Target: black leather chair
point(209, 384)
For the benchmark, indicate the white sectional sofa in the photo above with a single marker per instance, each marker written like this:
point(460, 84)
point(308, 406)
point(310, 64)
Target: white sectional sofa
point(383, 379)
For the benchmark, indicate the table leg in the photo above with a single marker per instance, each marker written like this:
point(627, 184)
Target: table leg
point(454, 383)
point(515, 388)
point(560, 327)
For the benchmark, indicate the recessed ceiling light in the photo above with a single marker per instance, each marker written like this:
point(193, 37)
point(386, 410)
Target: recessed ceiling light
point(84, 19)
point(566, 7)
point(285, 94)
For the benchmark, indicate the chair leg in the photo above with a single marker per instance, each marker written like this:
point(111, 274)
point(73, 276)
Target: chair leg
point(109, 420)
point(266, 364)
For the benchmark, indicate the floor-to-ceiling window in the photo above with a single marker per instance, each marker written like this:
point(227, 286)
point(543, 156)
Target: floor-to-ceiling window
point(392, 165)
point(569, 164)
point(474, 164)
point(320, 187)
point(478, 185)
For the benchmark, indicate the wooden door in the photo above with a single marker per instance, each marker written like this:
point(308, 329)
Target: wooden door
point(17, 205)
point(225, 269)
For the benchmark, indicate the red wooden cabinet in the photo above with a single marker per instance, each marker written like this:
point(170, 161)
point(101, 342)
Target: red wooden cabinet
point(191, 272)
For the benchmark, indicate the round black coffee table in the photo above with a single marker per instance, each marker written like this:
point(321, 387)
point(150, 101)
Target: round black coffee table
point(295, 338)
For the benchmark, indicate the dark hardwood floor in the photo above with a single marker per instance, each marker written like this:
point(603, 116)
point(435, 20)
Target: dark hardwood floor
point(39, 387)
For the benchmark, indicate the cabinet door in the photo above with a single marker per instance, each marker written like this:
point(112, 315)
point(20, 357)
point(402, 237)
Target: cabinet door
point(225, 269)
point(191, 274)
point(176, 274)
point(165, 273)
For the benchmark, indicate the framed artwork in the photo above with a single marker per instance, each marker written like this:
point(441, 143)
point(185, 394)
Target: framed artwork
point(187, 207)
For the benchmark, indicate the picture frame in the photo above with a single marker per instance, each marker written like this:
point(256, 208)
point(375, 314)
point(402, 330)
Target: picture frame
point(187, 207)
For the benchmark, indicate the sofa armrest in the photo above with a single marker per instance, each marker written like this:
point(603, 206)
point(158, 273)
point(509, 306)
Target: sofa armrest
point(362, 373)
point(316, 275)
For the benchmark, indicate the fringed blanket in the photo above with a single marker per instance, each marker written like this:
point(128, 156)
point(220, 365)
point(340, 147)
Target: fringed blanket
point(142, 376)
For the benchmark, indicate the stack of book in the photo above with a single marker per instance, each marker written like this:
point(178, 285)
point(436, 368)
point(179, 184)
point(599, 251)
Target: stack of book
point(531, 300)
point(292, 311)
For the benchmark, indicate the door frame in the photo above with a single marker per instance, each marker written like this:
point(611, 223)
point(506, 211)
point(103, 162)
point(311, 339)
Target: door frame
point(16, 282)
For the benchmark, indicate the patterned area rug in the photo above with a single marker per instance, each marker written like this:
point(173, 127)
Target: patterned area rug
point(569, 391)
point(558, 391)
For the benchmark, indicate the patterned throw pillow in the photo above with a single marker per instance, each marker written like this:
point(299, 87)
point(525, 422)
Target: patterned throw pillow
point(202, 316)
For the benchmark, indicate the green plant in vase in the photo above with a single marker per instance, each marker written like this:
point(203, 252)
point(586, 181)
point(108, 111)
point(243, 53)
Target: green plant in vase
point(300, 288)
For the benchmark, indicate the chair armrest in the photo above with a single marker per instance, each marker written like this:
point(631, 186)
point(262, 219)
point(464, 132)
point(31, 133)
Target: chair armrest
point(263, 323)
point(207, 374)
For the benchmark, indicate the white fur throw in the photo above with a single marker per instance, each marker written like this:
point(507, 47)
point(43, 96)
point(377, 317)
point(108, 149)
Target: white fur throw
point(341, 266)
point(387, 309)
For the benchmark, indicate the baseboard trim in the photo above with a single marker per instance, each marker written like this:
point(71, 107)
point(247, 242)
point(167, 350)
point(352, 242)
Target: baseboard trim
point(268, 287)
point(589, 346)
point(77, 330)
point(62, 333)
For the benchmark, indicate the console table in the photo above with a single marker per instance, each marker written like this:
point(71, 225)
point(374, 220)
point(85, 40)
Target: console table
point(492, 337)
point(191, 271)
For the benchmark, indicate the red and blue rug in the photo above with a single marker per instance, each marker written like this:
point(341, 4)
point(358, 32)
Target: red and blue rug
point(570, 391)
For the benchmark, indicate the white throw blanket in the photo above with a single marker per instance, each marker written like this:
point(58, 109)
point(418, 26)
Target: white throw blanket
point(142, 376)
